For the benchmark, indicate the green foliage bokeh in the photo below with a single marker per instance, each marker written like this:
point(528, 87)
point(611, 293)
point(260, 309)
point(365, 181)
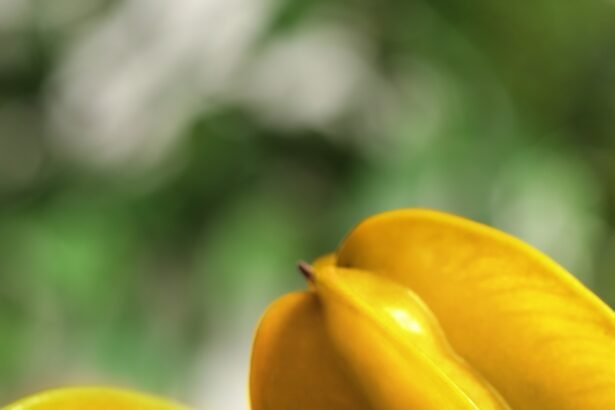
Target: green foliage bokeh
point(127, 276)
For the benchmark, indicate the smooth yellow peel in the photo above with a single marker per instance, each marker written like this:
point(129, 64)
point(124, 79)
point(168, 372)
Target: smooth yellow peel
point(419, 309)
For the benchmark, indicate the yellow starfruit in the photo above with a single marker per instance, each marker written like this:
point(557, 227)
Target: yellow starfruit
point(419, 309)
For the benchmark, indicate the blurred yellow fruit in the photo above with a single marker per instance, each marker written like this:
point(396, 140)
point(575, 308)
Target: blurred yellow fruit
point(92, 398)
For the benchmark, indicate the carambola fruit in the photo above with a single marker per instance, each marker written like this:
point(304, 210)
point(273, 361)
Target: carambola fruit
point(419, 309)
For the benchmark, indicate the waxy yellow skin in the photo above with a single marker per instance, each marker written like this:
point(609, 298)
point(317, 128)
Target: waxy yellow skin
point(358, 344)
point(535, 332)
point(394, 346)
point(295, 366)
point(92, 398)
point(507, 316)
point(355, 341)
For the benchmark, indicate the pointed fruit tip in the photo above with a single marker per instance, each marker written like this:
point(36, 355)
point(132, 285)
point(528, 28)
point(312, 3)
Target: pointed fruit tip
point(306, 270)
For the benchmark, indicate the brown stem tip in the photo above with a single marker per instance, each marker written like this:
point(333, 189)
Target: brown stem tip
point(307, 270)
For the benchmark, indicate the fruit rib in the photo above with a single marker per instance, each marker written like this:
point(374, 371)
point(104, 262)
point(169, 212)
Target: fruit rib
point(294, 365)
point(535, 332)
point(394, 347)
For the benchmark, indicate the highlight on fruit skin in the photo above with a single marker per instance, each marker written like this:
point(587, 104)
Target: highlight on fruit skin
point(92, 398)
point(485, 317)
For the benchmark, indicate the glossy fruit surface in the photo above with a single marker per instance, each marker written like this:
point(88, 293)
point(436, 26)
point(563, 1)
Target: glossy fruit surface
point(394, 346)
point(536, 333)
point(295, 365)
point(421, 309)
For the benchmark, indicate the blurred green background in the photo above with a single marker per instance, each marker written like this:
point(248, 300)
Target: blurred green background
point(163, 165)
